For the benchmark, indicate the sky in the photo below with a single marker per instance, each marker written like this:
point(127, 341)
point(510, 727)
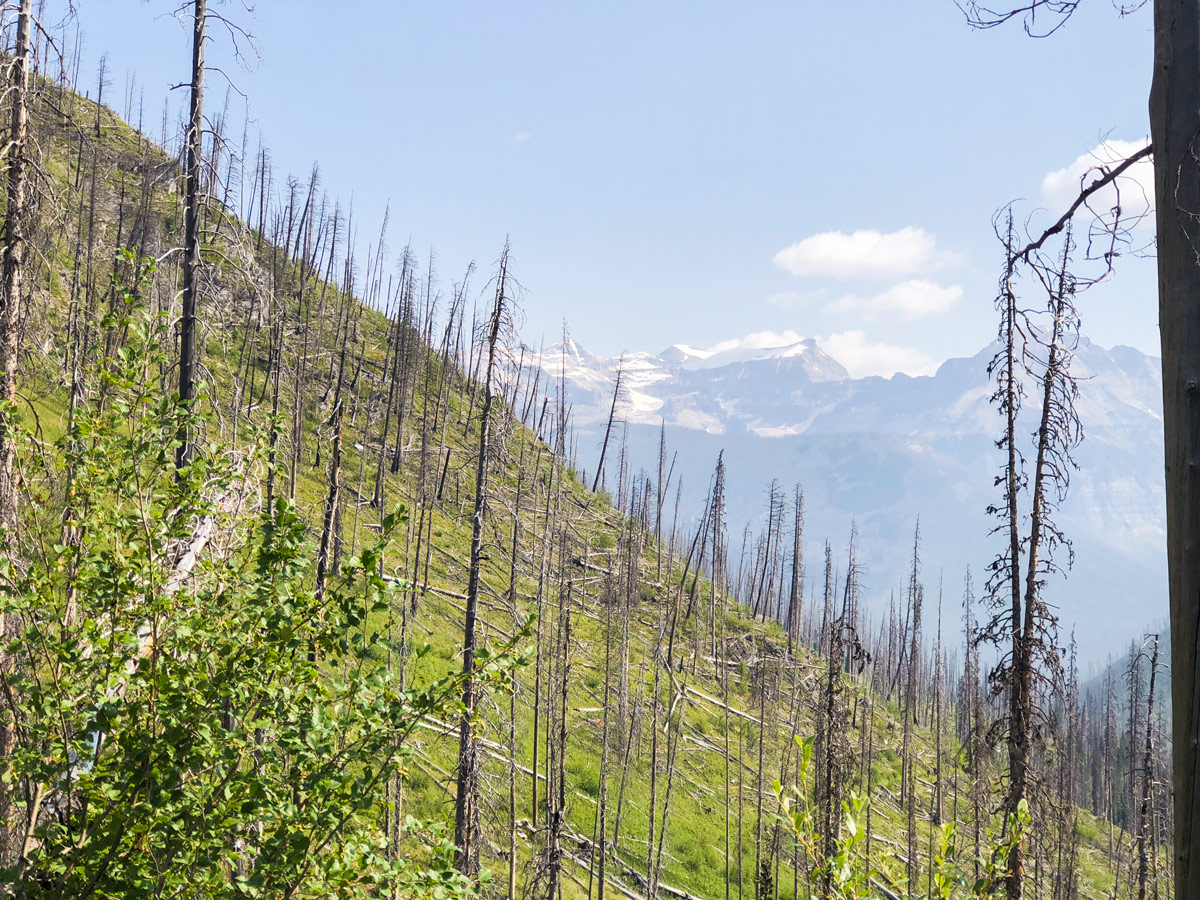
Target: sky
point(685, 172)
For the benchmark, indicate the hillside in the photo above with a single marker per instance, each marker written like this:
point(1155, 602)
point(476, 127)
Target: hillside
point(664, 693)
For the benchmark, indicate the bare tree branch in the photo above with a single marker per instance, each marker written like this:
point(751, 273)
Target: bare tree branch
point(1058, 11)
point(1107, 177)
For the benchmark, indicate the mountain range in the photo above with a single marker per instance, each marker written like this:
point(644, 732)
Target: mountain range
point(881, 452)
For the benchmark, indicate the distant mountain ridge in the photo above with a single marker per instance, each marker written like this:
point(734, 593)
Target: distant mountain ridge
point(881, 451)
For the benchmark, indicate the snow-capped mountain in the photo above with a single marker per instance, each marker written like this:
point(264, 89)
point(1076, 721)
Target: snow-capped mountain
point(881, 451)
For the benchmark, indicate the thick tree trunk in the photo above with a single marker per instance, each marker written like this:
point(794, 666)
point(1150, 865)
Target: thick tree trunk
point(1174, 123)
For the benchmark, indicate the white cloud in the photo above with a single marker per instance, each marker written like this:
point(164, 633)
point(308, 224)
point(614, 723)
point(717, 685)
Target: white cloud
point(1134, 190)
point(522, 137)
point(862, 357)
point(909, 300)
point(835, 254)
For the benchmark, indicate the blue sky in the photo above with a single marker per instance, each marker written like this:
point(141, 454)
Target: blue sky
point(687, 172)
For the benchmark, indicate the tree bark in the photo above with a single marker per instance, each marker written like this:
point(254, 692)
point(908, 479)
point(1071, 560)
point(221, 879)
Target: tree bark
point(1174, 123)
point(612, 412)
point(1147, 780)
point(11, 272)
point(191, 238)
point(466, 808)
point(796, 595)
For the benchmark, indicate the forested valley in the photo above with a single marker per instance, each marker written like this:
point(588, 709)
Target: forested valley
point(309, 589)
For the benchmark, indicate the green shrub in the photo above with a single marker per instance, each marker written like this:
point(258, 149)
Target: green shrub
point(216, 732)
point(847, 873)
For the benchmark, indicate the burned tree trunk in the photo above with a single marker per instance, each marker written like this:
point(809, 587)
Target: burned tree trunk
point(191, 239)
point(11, 273)
point(612, 412)
point(1143, 857)
point(796, 597)
point(12, 266)
point(1174, 121)
point(466, 806)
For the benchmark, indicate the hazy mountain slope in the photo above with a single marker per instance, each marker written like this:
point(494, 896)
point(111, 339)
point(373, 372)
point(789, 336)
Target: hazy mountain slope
point(881, 451)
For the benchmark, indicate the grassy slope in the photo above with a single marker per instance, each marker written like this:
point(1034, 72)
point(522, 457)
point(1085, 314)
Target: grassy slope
point(694, 850)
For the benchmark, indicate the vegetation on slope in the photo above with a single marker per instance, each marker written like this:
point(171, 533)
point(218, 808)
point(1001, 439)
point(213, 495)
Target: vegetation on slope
point(638, 749)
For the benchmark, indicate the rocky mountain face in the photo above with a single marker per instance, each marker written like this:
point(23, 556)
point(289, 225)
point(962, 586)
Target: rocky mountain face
point(881, 452)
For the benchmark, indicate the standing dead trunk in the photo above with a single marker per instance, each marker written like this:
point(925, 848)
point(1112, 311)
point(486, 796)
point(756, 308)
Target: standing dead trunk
point(191, 239)
point(612, 412)
point(514, 549)
point(600, 846)
point(936, 818)
point(12, 267)
point(762, 866)
point(1174, 122)
point(326, 560)
point(11, 273)
point(1147, 765)
point(466, 807)
point(909, 777)
point(796, 596)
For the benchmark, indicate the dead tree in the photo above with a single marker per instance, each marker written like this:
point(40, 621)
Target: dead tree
point(612, 412)
point(1070, 760)
point(833, 728)
point(600, 841)
point(1110, 754)
point(391, 361)
point(1143, 817)
point(1021, 624)
point(1174, 119)
point(938, 676)
point(664, 480)
point(796, 595)
point(764, 679)
point(971, 730)
point(466, 804)
point(908, 777)
point(191, 238)
point(12, 270)
point(514, 609)
point(326, 553)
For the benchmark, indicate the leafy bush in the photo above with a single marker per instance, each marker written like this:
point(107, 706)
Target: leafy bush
point(196, 726)
point(847, 874)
